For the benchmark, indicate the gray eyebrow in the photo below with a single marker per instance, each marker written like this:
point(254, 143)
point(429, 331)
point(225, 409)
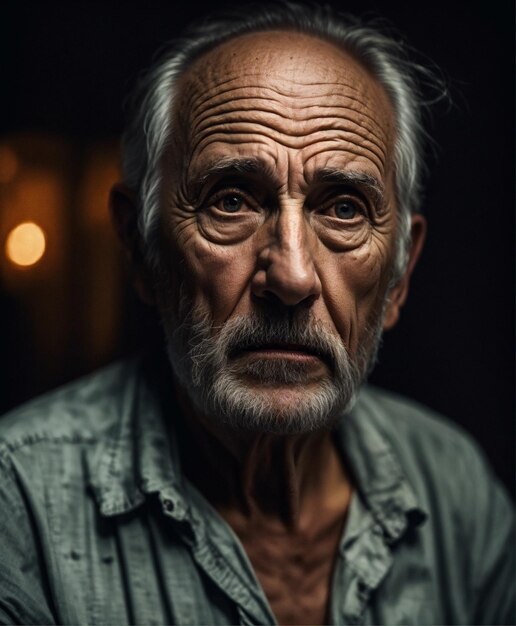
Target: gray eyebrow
point(238, 165)
point(233, 166)
point(369, 183)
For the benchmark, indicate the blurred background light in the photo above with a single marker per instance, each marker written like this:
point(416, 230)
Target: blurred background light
point(25, 244)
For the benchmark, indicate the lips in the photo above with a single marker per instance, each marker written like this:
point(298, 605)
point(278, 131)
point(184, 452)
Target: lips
point(285, 350)
point(282, 347)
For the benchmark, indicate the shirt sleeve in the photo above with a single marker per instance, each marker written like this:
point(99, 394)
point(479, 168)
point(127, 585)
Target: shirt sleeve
point(493, 553)
point(23, 598)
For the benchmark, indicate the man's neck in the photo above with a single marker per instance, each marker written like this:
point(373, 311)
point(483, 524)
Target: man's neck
point(285, 497)
point(291, 480)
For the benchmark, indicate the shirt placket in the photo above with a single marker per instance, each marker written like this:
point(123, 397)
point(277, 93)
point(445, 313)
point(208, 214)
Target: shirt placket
point(360, 569)
point(222, 566)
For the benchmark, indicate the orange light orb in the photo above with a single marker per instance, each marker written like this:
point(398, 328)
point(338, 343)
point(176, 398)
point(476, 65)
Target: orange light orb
point(25, 244)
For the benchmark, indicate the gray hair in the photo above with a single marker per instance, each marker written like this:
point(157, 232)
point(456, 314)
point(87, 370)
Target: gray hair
point(150, 129)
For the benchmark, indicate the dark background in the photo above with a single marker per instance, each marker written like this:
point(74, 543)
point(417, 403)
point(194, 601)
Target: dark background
point(66, 69)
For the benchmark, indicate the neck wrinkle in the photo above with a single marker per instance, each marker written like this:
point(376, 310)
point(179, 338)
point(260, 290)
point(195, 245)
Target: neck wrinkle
point(273, 476)
point(278, 479)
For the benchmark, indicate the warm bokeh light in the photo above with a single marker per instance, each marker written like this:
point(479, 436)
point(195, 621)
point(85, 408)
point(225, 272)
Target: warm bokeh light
point(25, 244)
point(8, 164)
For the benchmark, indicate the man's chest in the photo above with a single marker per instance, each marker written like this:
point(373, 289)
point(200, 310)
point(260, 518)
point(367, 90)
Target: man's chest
point(295, 571)
point(140, 569)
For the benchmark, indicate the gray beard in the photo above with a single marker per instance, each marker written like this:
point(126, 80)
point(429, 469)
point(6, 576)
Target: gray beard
point(217, 384)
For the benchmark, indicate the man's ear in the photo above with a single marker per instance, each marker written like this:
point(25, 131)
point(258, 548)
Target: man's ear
point(398, 294)
point(123, 206)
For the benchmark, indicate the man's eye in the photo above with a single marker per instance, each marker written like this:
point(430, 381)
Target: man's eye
point(346, 209)
point(230, 203)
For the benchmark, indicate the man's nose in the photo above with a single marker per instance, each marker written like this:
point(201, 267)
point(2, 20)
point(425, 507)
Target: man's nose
point(286, 269)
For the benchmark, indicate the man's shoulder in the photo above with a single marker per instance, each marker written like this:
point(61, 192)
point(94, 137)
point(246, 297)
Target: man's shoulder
point(80, 412)
point(436, 454)
point(453, 485)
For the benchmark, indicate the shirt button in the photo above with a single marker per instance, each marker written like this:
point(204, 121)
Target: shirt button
point(168, 504)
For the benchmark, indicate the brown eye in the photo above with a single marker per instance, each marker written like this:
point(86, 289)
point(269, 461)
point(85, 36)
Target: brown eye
point(346, 209)
point(232, 203)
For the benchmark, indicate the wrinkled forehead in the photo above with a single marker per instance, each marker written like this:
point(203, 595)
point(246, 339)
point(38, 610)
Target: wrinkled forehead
point(297, 73)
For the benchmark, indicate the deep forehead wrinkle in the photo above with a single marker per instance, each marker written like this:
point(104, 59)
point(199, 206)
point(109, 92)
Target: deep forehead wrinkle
point(283, 124)
point(289, 121)
point(239, 135)
point(271, 100)
point(276, 84)
point(286, 97)
point(226, 91)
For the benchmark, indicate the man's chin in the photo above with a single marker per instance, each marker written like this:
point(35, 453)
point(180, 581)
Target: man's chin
point(275, 408)
point(282, 398)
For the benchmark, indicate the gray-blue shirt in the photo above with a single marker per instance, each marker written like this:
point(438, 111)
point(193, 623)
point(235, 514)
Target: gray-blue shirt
point(98, 525)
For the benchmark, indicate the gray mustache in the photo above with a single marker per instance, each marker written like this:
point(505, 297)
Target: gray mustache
point(256, 332)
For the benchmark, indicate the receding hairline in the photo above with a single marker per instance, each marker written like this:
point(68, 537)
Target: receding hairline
point(272, 34)
point(195, 70)
point(198, 64)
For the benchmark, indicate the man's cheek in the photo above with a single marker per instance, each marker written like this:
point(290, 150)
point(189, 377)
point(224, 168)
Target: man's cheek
point(219, 276)
point(355, 282)
point(369, 265)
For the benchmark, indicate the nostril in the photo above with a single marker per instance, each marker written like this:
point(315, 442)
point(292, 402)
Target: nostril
point(271, 296)
point(282, 301)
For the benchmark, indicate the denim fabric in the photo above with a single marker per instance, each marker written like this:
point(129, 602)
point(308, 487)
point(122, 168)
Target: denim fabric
point(99, 526)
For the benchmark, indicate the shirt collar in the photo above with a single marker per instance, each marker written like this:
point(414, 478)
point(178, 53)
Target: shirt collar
point(379, 477)
point(139, 457)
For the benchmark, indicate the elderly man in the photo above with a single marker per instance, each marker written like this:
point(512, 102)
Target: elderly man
point(269, 207)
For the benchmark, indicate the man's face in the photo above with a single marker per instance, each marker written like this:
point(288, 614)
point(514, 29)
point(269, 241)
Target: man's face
point(278, 229)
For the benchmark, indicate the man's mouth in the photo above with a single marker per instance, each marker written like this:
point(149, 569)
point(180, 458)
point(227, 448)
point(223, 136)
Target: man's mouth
point(282, 350)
